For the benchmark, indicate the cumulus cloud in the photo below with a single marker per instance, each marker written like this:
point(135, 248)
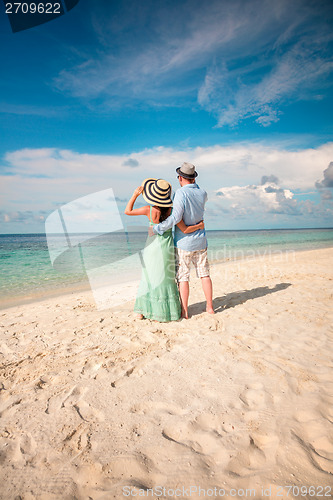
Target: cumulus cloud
point(326, 194)
point(267, 197)
point(240, 163)
point(327, 181)
point(131, 162)
point(269, 178)
point(25, 217)
point(268, 202)
point(69, 175)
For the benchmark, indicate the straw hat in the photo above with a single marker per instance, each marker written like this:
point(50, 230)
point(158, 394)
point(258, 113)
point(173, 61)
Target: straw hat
point(157, 192)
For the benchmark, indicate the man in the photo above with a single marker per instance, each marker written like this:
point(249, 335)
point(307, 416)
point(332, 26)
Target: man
point(189, 205)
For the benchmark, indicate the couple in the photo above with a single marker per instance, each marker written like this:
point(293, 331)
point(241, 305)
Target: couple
point(158, 297)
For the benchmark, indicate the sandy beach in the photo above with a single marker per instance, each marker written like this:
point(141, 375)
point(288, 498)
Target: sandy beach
point(99, 405)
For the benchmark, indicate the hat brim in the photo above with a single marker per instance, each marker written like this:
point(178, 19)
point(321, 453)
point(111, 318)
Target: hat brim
point(151, 197)
point(186, 176)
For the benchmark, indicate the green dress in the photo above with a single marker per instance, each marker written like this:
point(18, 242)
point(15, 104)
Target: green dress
point(158, 296)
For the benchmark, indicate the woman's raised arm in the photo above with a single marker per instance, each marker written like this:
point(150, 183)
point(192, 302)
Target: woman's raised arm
point(136, 211)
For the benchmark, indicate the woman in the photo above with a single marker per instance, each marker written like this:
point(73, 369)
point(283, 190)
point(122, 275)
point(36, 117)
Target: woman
point(158, 296)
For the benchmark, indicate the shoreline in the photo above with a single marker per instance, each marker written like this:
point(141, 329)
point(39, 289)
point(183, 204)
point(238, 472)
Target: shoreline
point(84, 287)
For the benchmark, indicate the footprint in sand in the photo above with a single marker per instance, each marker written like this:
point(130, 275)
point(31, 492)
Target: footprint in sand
point(77, 440)
point(218, 425)
point(158, 409)
point(216, 438)
point(5, 350)
point(134, 470)
point(198, 441)
point(92, 482)
point(18, 450)
point(255, 397)
point(87, 412)
point(247, 461)
point(74, 399)
point(258, 453)
point(207, 435)
point(314, 439)
point(121, 374)
point(90, 369)
point(267, 444)
point(9, 405)
point(56, 402)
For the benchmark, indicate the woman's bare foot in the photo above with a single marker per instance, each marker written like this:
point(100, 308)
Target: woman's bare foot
point(139, 316)
point(210, 310)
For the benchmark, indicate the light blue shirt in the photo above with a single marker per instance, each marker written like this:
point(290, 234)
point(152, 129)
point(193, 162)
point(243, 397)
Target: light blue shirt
point(189, 205)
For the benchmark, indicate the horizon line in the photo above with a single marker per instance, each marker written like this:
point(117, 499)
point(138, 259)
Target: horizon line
point(207, 230)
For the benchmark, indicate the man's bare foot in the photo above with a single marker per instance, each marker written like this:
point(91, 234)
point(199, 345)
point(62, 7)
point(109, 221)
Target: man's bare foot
point(139, 316)
point(210, 310)
point(184, 314)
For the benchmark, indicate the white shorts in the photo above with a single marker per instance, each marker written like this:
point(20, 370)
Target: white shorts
point(183, 263)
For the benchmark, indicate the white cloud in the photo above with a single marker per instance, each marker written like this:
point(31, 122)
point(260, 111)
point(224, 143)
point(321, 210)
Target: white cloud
point(130, 162)
point(326, 194)
point(42, 179)
point(327, 181)
point(169, 43)
point(25, 217)
point(240, 93)
point(250, 71)
point(267, 197)
point(296, 169)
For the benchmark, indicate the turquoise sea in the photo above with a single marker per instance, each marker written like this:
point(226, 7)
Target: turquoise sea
point(26, 269)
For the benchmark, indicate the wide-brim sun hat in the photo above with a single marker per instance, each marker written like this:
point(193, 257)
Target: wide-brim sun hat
point(157, 192)
point(187, 170)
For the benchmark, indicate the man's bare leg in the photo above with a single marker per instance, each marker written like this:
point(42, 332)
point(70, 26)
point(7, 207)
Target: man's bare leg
point(184, 291)
point(208, 291)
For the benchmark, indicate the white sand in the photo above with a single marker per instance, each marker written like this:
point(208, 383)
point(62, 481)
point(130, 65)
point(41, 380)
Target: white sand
point(93, 401)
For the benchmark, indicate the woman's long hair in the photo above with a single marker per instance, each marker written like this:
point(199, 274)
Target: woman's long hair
point(164, 213)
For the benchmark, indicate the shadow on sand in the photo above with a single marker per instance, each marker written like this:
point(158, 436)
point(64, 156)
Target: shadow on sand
point(235, 298)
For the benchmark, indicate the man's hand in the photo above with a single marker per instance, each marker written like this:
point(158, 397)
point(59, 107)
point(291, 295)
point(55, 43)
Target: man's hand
point(151, 231)
point(201, 225)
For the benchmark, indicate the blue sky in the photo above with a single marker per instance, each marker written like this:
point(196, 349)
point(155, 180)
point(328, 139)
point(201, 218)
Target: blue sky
point(114, 92)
